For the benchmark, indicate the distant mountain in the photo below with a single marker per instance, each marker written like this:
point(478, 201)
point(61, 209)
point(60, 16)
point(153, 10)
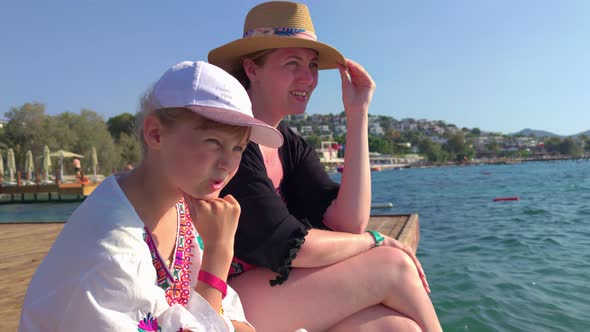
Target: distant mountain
point(537, 133)
point(587, 133)
point(543, 133)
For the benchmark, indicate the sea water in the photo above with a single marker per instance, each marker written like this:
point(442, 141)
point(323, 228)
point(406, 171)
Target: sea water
point(492, 266)
point(501, 266)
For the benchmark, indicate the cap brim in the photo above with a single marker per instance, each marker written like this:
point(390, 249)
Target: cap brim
point(228, 55)
point(261, 133)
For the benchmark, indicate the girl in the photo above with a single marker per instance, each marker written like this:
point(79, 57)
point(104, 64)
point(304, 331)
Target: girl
point(298, 228)
point(130, 256)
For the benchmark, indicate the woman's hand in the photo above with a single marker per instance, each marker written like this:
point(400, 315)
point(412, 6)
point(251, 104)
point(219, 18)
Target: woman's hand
point(393, 243)
point(357, 87)
point(216, 221)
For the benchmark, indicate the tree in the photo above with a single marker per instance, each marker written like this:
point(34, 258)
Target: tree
point(129, 149)
point(552, 144)
point(80, 132)
point(570, 148)
point(25, 130)
point(432, 150)
point(455, 146)
point(585, 142)
point(377, 144)
point(493, 147)
point(122, 123)
point(314, 140)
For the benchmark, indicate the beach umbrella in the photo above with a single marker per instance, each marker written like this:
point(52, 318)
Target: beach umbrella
point(60, 155)
point(46, 162)
point(94, 161)
point(29, 165)
point(10, 164)
point(65, 154)
point(1, 166)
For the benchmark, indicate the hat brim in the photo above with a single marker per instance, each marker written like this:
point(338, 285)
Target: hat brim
point(261, 133)
point(228, 56)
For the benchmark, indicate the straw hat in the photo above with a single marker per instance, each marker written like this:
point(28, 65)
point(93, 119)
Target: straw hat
point(277, 24)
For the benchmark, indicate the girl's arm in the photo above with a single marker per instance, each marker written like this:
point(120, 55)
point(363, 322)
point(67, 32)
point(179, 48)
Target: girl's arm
point(216, 221)
point(242, 327)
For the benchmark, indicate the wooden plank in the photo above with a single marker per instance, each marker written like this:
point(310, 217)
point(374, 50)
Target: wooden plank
point(24, 245)
point(405, 228)
point(89, 188)
point(42, 188)
point(70, 189)
point(410, 234)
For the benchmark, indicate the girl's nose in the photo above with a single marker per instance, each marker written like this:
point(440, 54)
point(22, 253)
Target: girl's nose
point(228, 161)
point(224, 162)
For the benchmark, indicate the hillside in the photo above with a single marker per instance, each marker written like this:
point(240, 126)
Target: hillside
point(537, 133)
point(587, 133)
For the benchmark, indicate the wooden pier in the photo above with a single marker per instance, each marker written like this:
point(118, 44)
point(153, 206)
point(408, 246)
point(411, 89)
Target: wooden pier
point(46, 192)
point(24, 245)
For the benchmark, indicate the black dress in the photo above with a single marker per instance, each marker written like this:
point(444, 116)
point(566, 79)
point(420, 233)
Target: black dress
point(274, 221)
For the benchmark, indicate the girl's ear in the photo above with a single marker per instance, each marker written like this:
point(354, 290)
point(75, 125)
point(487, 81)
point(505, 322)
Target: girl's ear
point(152, 131)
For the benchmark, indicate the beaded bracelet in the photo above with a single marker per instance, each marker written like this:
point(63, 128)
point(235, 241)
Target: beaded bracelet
point(377, 237)
point(213, 281)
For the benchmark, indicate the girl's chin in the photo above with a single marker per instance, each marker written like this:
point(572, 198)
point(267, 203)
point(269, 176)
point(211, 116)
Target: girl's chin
point(211, 196)
point(201, 195)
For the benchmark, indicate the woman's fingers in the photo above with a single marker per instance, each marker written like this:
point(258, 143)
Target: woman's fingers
point(396, 244)
point(420, 269)
point(344, 75)
point(359, 75)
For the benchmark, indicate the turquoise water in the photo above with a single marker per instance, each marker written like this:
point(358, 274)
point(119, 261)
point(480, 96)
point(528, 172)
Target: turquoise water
point(501, 266)
point(492, 266)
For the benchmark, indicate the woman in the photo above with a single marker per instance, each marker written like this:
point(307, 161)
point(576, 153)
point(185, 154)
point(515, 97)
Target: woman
point(129, 257)
point(295, 221)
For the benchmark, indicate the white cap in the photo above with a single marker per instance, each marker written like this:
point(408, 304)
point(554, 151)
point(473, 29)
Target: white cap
point(211, 92)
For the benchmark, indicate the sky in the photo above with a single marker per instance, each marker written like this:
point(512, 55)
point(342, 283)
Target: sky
point(500, 65)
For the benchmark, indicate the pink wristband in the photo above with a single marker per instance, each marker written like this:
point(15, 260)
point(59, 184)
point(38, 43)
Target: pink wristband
point(213, 281)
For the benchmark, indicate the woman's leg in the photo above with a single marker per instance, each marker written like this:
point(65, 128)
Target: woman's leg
point(374, 319)
point(320, 298)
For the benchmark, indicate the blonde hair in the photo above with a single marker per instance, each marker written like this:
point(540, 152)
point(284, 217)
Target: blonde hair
point(169, 116)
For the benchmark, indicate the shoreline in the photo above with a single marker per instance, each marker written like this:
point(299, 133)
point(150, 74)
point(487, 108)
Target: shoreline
point(425, 164)
point(497, 161)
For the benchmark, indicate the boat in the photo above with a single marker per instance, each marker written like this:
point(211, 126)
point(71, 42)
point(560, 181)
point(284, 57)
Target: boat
point(504, 199)
point(386, 205)
point(328, 154)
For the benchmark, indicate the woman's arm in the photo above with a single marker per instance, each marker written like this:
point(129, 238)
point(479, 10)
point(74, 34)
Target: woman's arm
point(323, 248)
point(349, 212)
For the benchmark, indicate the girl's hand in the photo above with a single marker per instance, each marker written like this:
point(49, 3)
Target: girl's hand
point(357, 87)
point(216, 221)
point(393, 243)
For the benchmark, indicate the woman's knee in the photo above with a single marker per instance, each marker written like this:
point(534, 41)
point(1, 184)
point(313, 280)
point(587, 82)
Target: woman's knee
point(394, 264)
point(409, 326)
